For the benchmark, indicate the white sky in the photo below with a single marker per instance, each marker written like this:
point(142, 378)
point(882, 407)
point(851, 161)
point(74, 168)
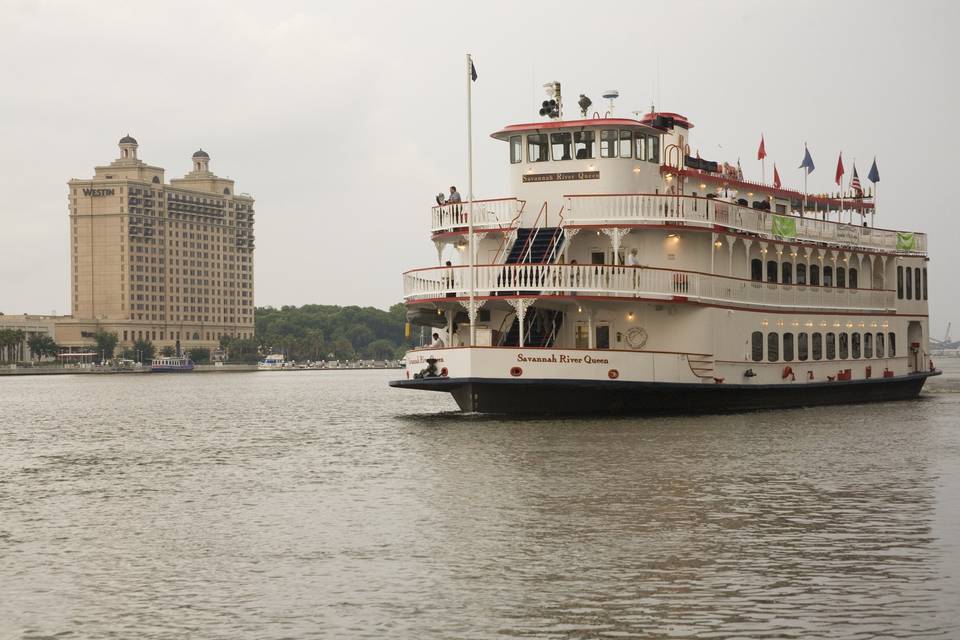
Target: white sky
point(344, 119)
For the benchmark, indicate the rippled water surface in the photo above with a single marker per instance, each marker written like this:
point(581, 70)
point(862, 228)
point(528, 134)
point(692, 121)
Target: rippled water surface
point(324, 504)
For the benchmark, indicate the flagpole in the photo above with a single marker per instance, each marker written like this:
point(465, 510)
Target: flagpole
point(472, 309)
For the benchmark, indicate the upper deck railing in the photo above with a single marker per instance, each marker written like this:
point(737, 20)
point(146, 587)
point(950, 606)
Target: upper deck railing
point(635, 282)
point(639, 208)
point(488, 215)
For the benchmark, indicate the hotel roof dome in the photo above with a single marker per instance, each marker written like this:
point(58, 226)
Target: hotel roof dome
point(128, 139)
point(201, 154)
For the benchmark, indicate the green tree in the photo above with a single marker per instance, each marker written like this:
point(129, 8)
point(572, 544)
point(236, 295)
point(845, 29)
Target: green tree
point(11, 344)
point(200, 355)
point(146, 350)
point(380, 349)
point(43, 346)
point(106, 342)
point(342, 349)
point(168, 351)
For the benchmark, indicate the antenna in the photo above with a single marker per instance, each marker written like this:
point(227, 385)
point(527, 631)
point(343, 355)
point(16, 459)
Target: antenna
point(611, 95)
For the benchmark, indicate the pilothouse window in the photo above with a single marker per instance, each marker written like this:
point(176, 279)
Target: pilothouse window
point(516, 149)
point(583, 144)
point(560, 144)
point(626, 144)
point(537, 147)
point(641, 144)
point(608, 143)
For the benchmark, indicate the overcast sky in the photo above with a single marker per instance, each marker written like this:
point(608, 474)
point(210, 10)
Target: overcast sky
point(343, 119)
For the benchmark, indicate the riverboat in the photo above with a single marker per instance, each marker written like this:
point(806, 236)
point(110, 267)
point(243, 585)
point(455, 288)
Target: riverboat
point(171, 364)
point(274, 362)
point(625, 275)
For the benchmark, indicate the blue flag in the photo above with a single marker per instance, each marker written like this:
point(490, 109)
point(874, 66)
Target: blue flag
point(874, 175)
point(473, 72)
point(807, 160)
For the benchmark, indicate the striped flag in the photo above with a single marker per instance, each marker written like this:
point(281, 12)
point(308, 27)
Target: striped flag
point(855, 185)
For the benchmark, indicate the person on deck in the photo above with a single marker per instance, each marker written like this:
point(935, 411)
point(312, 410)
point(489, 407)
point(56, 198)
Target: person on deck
point(437, 342)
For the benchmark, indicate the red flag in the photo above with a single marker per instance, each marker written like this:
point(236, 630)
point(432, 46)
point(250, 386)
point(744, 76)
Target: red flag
point(839, 176)
point(762, 151)
point(776, 176)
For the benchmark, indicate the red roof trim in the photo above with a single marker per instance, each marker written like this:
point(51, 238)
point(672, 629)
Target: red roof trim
point(565, 124)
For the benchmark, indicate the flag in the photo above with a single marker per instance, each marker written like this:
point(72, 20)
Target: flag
point(874, 175)
point(473, 71)
point(839, 177)
point(807, 160)
point(776, 176)
point(762, 151)
point(855, 185)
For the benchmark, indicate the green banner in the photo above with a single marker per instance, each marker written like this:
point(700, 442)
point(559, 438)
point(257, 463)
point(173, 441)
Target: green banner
point(784, 226)
point(905, 241)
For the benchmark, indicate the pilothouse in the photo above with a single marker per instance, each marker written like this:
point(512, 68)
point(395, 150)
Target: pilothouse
point(623, 274)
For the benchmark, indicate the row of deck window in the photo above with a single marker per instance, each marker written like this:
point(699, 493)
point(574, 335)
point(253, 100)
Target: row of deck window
point(811, 346)
point(805, 275)
point(581, 145)
point(913, 283)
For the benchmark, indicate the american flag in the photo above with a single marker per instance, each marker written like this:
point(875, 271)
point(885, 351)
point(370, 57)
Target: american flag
point(855, 183)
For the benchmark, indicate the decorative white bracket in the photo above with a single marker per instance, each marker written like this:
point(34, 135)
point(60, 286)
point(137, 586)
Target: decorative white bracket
point(520, 305)
point(616, 234)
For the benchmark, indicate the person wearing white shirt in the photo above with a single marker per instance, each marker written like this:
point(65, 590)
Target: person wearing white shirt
point(632, 259)
point(437, 342)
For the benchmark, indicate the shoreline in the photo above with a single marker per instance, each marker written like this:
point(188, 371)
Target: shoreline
point(200, 368)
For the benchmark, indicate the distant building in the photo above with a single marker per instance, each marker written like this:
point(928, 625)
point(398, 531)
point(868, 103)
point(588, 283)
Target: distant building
point(156, 261)
point(30, 325)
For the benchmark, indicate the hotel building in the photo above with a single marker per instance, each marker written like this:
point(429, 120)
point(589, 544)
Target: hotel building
point(156, 261)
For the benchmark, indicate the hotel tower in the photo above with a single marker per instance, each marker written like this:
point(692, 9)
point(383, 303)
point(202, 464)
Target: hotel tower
point(157, 261)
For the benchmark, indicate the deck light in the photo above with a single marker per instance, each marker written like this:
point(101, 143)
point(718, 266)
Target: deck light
point(630, 316)
point(673, 236)
point(703, 186)
point(718, 244)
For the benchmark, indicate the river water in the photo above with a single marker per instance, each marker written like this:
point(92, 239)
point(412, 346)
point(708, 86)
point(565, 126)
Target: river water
point(325, 504)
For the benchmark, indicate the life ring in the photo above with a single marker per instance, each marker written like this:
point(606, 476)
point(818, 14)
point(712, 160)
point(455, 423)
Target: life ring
point(516, 372)
point(443, 372)
point(636, 337)
point(788, 373)
point(613, 374)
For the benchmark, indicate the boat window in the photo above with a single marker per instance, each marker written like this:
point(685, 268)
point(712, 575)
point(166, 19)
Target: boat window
point(916, 283)
point(771, 270)
point(899, 282)
point(516, 149)
point(583, 144)
point(909, 281)
point(844, 346)
point(786, 273)
point(773, 347)
point(756, 270)
point(828, 276)
point(560, 144)
point(653, 149)
point(855, 345)
point(597, 257)
point(924, 283)
point(891, 345)
point(608, 143)
point(831, 346)
point(841, 277)
point(802, 346)
point(626, 144)
point(868, 345)
point(757, 346)
point(537, 147)
point(581, 339)
point(603, 336)
point(817, 346)
point(852, 278)
point(788, 347)
point(801, 273)
point(815, 275)
point(641, 145)
point(879, 345)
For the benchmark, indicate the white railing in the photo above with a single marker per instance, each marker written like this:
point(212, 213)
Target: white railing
point(690, 210)
point(487, 214)
point(634, 282)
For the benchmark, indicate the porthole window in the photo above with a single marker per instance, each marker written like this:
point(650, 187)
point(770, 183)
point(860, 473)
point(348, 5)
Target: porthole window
point(773, 347)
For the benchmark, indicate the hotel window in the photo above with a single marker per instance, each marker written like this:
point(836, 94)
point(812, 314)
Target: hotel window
point(828, 276)
point(560, 144)
point(844, 346)
point(788, 347)
point(924, 283)
point(815, 275)
point(802, 346)
point(583, 144)
point(537, 147)
point(855, 345)
point(608, 143)
point(841, 277)
point(899, 282)
point(909, 281)
point(516, 149)
point(892, 345)
point(786, 273)
point(640, 142)
point(801, 273)
point(868, 345)
point(626, 144)
point(831, 346)
point(773, 347)
point(771, 270)
point(916, 284)
point(880, 345)
point(757, 346)
point(853, 278)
